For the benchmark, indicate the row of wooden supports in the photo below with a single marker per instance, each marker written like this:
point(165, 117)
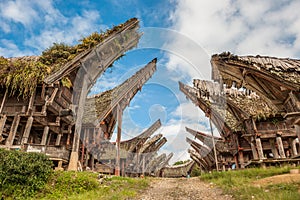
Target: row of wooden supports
point(26, 133)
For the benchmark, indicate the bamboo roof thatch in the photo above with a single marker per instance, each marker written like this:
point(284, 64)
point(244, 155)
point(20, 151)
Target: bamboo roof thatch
point(285, 69)
point(248, 103)
point(97, 107)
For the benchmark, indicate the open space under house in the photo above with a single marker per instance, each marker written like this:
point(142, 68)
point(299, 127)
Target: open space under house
point(254, 102)
point(44, 106)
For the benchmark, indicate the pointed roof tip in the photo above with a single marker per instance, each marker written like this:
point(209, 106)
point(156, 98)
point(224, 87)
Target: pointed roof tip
point(154, 60)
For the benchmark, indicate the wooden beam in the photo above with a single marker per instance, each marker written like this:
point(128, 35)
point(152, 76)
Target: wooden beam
point(254, 151)
point(58, 138)
point(3, 101)
point(13, 131)
point(297, 128)
point(280, 147)
point(27, 130)
point(259, 148)
point(82, 93)
point(118, 140)
point(45, 135)
point(2, 124)
point(273, 148)
point(241, 159)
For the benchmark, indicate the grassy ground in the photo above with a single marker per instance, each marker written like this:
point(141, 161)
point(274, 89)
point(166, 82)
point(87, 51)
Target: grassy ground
point(240, 184)
point(84, 185)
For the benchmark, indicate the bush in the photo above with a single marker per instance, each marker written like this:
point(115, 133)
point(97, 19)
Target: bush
point(23, 174)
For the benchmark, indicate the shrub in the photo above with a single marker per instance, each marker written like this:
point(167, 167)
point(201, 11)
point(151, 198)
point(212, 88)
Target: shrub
point(23, 174)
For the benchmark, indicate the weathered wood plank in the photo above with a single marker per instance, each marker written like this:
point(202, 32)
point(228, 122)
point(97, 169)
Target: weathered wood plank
point(13, 131)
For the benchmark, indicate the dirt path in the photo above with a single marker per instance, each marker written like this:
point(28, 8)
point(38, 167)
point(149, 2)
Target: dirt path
point(182, 188)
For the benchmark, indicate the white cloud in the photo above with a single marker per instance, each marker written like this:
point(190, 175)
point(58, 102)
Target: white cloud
point(243, 27)
point(46, 24)
point(10, 49)
point(19, 11)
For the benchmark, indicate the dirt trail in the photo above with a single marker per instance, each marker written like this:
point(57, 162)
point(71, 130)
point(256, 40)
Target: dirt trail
point(182, 188)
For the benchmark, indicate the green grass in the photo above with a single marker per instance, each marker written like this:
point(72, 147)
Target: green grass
point(84, 185)
point(239, 183)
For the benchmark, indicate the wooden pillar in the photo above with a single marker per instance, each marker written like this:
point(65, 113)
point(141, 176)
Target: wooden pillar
point(81, 96)
point(144, 164)
point(280, 147)
point(273, 148)
point(58, 138)
point(49, 138)
point(297, 128)
point(119, 131)
point(259, 148)
point(2, 124)
point(3, 101)
point(241, 159)
point(91, 163)
point(27, 130)
point(83, 146)
point(294, 147)
point(87, 157)
point(254, 151)
point(45, 135)
point(69, 136)
point(290, 149)
point(13, 131)
point(123, 168)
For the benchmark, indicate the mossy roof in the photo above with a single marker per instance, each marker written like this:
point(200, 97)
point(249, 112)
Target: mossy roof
point(22, 75)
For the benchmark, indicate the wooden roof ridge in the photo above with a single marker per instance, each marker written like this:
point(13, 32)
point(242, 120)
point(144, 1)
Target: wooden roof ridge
point(77, 61)
point(198, 159)
point(145, 134)
point(285, 64)
point(198, 146)
point(287, 69)
point(150, 142)
point(102, 104)
point(200, 135)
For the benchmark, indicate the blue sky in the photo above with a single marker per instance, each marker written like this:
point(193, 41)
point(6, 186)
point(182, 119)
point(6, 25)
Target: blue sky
point(182, 34)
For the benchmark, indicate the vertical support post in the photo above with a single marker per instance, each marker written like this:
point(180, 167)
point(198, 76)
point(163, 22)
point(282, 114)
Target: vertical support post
point(91, 161)
point(82, 92)
point(82, 147)
point(3, 101)
point(58, 138)
point(259, 148)
point(45, 135)
point(280, 147)
point(69, 136)
point(294, 147)
point(87, 157)
point(214, 145)
point(123, 168)
point(241, 159)
point(119, 131)
point(297, 128)
point(2, 124)
point(27, 130)
point(13, 131)
point(143, 166)
point(254, 151)
point(273, 148)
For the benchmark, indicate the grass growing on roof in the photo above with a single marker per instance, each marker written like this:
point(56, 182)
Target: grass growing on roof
point(22, 75)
